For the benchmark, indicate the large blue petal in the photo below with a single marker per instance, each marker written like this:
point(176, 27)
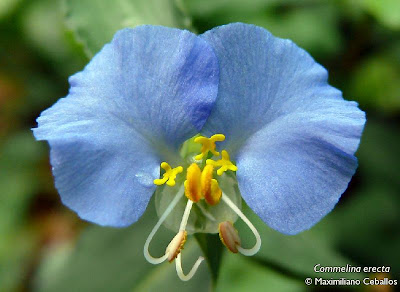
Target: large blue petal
point(138, 99)
point(292, 135)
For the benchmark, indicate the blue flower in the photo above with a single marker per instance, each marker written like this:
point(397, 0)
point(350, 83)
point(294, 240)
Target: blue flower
point(280, 136)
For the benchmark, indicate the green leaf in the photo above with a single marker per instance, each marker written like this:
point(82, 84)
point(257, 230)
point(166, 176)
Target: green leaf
point(379, 153)
point(7, 7)
point(374, 84)
point(44, 28)
point(313, 28)
point(201, 8)
point(239, 273)
point(111, 259)
point(17, 249)
point(386, 11)
point(19, 155)
point(294, 255)
point(312, 25)
point(214, 7)
point(95, 21)
point(350, 228)
point(213, 249)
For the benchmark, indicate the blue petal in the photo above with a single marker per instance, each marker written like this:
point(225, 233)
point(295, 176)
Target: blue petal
point(139, 98)
point(292, 135)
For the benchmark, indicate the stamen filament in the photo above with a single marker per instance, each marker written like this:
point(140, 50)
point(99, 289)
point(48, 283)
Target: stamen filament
point(167, 211)
point(179, 271)
point(178, 261)
point(257, 246)
point(186, 214)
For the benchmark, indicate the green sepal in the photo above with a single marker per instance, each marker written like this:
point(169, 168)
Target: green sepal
point(213, 251)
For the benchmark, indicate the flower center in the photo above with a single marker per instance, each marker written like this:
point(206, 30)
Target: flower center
point(203, 180)
point(196, 202)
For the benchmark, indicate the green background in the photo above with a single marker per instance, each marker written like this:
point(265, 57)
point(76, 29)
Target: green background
point(45, 247)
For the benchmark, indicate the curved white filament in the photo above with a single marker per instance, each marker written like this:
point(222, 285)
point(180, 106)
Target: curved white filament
point(178, 261)
point(167, 211)
point(179, 271)
point(186, 214)
point(256, 247)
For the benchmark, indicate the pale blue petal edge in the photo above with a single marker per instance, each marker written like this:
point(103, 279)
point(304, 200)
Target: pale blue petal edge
point(292, 134)
point(137, 100)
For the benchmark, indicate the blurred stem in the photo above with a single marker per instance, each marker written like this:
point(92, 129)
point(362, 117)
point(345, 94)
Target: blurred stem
point(212, 248)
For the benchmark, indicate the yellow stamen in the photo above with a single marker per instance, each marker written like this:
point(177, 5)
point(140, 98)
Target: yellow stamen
point(169, 175)
point(209, 186)
point(224, 163)
point(215, 194)
point(193, 183)
point(208, 144)
point(206, 177)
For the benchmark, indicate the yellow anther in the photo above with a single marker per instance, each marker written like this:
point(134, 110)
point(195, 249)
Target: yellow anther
point(169, 175)
point(209, 186)
point(208, 144)
point(206, 177)
point(193, 183)
point(215, 194)
point(224, 163)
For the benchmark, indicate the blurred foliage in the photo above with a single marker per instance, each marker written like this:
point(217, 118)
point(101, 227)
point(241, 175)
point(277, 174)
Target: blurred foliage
point(313, 27)
point(7, 6)
point(96, 21)
point(45, 247)
point(380, 74)
point(256, 278)
point(386, 11)
point(53, 41)
point(114, 259)
point(296, 255)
